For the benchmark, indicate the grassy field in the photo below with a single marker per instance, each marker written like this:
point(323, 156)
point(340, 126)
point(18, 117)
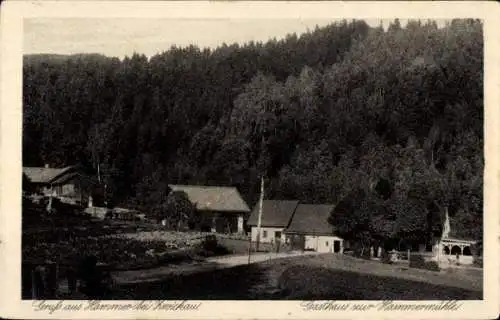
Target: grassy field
point(126, 245)
point(313, 277)
point(66, 239)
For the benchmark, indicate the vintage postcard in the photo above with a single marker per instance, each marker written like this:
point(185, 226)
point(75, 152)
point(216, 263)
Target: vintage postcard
point(249, 160)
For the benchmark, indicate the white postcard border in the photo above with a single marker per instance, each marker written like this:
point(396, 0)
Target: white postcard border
point(12, 15)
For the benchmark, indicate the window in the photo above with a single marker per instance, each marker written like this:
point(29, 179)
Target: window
point(277, 234)
point(58, 190)
point(326, 243)
point(264, 234)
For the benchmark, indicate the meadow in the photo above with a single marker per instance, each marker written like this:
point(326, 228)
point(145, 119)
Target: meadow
point(321, 277)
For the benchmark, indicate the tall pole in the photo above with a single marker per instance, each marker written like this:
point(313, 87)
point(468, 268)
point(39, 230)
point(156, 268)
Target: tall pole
point(105, 195)
point(439, 252)
point(249, 248)
point(259, 221)
point(98, 172)
point(96, 154)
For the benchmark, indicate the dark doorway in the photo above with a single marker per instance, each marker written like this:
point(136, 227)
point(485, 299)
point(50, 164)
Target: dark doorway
point(277, 235)
point(297, 242)
point(336, 246)
point(277, 240)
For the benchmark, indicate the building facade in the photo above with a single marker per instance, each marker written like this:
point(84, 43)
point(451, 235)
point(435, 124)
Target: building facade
point(300, 226)
point(69, 184)
point(276, 216)
point(451, 249)
point(309, 229)
point(219, 209)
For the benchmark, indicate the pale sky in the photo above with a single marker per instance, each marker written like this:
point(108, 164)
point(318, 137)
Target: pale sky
point(123, 36)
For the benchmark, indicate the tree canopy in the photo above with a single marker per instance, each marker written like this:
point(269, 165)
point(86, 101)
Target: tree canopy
point(397, 113)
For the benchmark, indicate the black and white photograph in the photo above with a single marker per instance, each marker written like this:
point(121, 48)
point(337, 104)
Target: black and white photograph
point(298, 159)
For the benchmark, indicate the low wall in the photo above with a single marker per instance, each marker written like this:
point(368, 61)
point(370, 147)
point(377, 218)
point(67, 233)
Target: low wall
point(452, 260)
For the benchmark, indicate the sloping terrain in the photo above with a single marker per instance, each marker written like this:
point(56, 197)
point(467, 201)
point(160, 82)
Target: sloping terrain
point(313, 277)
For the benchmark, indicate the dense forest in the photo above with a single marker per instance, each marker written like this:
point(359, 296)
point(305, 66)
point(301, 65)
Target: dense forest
point(388, 124)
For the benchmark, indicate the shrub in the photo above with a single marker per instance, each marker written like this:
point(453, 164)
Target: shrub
point(173, 257)
point(210, 243)
point(386, 257)
point(418, 262)
point(211, 247)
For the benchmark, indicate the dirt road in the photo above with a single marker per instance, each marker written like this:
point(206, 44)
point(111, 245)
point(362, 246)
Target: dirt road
point(213, 263)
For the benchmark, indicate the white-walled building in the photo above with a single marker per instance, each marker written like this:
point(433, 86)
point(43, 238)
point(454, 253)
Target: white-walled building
point(276, 216)
point(301, 226)
point(309, 229)
point(451, 248)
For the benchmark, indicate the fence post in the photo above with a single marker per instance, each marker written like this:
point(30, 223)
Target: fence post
point(408, 258)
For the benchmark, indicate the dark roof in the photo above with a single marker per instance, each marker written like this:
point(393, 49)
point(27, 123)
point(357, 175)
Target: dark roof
point(44, 175)
point(63, 178)
point(275, 213)
point(209, 198)
point(311, 219)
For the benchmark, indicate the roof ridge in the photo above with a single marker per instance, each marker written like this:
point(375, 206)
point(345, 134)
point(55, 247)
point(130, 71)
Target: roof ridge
point(225, 198)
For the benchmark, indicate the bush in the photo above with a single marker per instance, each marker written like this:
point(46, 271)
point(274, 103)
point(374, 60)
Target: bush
point(386, 257)
point(210, 247)
point(210, 243)
point(173, 257)
point(418, 262)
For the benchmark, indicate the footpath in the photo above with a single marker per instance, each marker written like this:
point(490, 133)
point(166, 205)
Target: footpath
point(210, 264)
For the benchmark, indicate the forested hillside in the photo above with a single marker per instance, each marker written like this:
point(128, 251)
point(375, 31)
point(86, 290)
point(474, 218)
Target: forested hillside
point(392, 120)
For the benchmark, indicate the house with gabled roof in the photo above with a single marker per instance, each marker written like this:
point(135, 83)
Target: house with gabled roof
point(302, 226)
point(276, 216)
point(220, 209)
point(309, 229)
point(68, 184)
